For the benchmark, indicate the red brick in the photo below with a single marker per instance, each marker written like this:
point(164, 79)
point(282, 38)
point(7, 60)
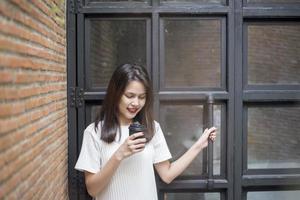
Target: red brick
point(26, 49)
point(11, 183)
point(47, 173)
point(6, 77)
point(18, 31)
point(11, 109)
point(29, 9)
point(33, 113)
point(13, 61)
point(48, 7)
point(17, 140)
point(11, 124)
point(37, 145)
point(42, 78)
point(10, 11)
point(8, 93)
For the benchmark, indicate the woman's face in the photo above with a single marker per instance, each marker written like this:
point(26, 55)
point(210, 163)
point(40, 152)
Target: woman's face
point(131, 102)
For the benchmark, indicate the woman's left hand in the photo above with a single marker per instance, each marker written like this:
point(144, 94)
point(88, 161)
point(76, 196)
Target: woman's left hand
point(206, 135)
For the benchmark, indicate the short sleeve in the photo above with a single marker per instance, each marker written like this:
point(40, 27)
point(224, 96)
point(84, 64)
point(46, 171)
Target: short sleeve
point(89, 157)
point(161, 150)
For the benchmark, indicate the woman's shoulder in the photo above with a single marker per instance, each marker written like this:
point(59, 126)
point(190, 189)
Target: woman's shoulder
point(157, 129)
point(156, 125)
point(158, 133)
point(90, 127)
point(92, 130)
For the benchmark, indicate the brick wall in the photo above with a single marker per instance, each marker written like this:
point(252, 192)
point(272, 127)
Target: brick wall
point(33, 106)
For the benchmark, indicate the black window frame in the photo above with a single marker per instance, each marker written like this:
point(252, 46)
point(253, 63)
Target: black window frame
point(236, 95)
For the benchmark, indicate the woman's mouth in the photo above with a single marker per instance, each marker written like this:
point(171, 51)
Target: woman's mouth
point(132, 110)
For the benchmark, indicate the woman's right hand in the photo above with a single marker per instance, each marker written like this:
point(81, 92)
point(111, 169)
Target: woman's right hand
point(131, 145)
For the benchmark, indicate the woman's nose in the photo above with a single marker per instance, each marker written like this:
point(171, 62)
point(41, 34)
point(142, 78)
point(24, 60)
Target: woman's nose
point(135, 102)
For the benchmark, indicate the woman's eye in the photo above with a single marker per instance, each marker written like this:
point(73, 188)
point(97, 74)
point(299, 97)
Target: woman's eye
point(129, 96)
point(142, 97)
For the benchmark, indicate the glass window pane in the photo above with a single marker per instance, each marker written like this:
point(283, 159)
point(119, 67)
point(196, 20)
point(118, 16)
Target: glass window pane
point(114, 42)
point(192, 196)
point(197, 1)
point(274, 1)
point(274, 195)
point(182, 126)
point(91, 111)
point(192, 53)
point(118, 1)
point(273, 137)
point(273, 54)
point(94, 112)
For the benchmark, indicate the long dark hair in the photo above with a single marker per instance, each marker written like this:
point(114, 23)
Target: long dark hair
point(108, 116)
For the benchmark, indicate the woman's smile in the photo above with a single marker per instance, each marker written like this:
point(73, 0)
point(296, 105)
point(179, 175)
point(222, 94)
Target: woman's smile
point(133, 110)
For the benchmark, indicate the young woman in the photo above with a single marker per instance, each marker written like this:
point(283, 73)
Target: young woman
point(121, 167)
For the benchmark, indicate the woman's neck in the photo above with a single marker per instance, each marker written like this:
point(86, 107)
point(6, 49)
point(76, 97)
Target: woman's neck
point(125, 123)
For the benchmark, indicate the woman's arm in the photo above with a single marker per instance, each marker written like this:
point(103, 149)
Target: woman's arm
point(95, 183)
point(169, 171)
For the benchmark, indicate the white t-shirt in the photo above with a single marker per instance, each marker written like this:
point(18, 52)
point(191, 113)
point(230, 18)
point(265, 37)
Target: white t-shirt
point(134, 179)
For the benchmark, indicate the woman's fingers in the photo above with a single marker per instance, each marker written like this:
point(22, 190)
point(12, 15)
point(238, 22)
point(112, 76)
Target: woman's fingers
point(136, 142)
point(139, 140)
point(213, 138)
point(212, 129)
point(136, 147)
point(136, 135)
point(212, 133)
point(205, 131)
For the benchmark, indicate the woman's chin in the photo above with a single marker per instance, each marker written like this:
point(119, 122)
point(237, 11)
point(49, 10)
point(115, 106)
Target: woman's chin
point(130, 116)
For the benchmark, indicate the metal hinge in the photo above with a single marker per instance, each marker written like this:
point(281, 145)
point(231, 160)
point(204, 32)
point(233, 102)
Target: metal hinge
point(72, 6)
point(76, 97)
point(75, 6)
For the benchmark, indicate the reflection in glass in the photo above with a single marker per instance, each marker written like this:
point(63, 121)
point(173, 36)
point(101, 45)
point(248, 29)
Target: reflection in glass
point(273, 54)
point(192, 196)
point(274, 195)
point(192, 53)
point(118, 1)
point(182, 126)
point(115, 42)
point(273, 137)
point(94, 112)
point(274, 1)
point(197, 1)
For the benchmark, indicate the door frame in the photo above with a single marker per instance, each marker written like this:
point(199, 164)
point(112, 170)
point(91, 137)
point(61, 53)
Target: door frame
point(236, 13)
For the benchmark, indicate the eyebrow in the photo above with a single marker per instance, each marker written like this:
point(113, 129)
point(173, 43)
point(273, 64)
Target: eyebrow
point(134, 93)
